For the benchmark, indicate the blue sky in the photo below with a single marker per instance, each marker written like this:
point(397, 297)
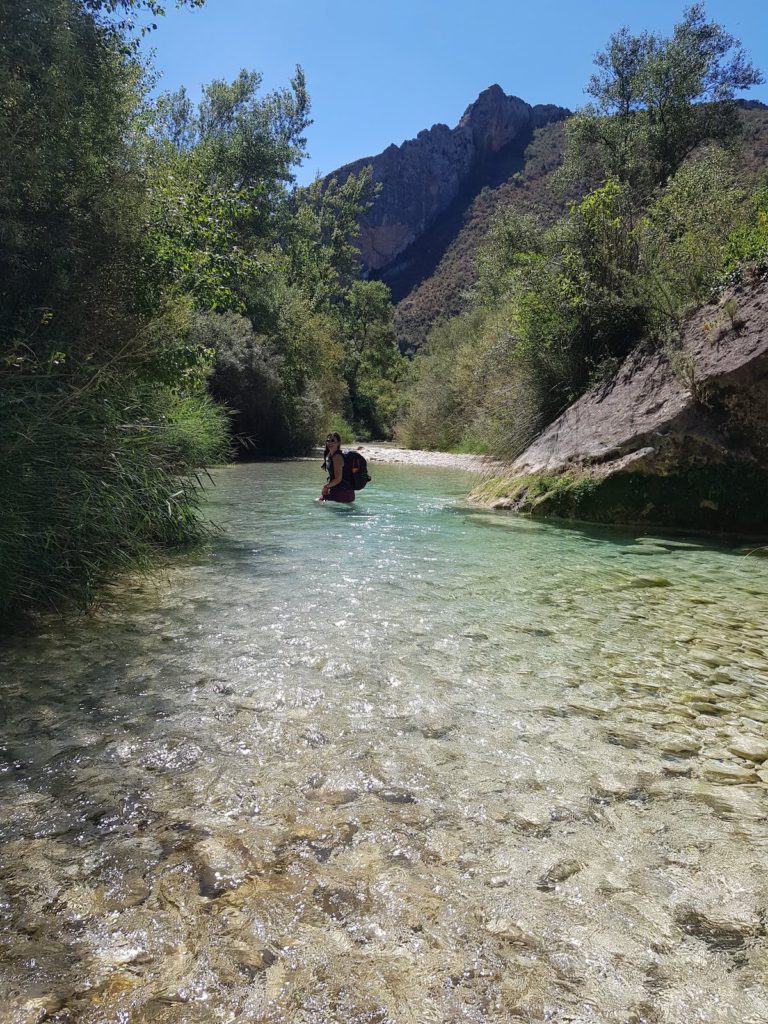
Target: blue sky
point(379, 73)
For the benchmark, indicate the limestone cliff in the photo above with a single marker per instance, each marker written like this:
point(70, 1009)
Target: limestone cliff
point(678, 437)
point(424, 176)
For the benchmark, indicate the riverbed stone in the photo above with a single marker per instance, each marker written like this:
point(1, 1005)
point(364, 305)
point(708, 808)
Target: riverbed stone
point(613, 787)
point(721, 925)
point(498, 881)
point(727, 772)
point(677, 769)
point(396, 795)
point(728, 691)
point(742, 802)
point(338, 901)
point(672, 543)
point(37, 1008)
point(679, 743)
point(708, 658)
point(534, 821)
point(757, 713)
point(437, 730)
point(559, 872)
point(650, 581)
point(219, 868)
point(505, 928)
point(706, 708)
point(646, 549)
point(612, 882)
point(752, 748)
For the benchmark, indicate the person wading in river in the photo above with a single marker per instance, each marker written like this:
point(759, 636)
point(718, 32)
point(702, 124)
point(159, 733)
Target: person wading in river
point(337, 488)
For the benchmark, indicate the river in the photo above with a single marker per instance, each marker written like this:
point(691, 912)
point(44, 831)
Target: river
point(397, 763)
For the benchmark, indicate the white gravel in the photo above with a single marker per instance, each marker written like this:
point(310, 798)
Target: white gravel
point(413, 456)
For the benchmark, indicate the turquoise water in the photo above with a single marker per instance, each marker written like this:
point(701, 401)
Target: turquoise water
point(408, 761)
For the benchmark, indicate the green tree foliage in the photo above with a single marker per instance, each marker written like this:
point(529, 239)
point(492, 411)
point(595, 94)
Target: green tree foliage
point(69, 191)
point(683, 237)
point(216, 174)
point(511, 233)
point(655, 99)
point(373, 367)
point(227, 230)
point(324, 218)
point(748, 242)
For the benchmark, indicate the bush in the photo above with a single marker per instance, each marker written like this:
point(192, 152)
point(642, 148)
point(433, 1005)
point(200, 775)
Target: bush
point(748, 242)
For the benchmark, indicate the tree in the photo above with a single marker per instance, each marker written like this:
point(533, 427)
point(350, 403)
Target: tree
point(217, 178)
point(373, 365)
point(70, 194)
point(655, 99)
point(318, 237)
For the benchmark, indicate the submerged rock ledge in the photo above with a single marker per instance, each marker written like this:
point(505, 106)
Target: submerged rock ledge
point(677, 437)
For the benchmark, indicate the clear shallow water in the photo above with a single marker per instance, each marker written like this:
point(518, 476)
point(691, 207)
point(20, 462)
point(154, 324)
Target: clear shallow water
point(407, 762)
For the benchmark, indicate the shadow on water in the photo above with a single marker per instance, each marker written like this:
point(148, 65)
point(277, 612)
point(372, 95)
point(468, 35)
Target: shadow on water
point(617, 535)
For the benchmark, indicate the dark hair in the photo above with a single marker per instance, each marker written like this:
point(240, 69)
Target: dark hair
point(331, 437)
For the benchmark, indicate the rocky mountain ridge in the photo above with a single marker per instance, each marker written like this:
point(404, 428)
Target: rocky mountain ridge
point(424, 178)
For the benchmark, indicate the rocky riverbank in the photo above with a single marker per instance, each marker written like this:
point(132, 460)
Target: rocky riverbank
point(678, 437)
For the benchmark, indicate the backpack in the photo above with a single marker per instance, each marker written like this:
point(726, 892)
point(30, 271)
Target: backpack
point(356, 470)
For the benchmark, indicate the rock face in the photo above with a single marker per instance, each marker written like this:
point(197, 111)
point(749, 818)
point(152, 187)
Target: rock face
point(677, 438)
point(421, 178)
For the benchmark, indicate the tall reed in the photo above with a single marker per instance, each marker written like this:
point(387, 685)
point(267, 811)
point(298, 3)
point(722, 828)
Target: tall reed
point(93, 482)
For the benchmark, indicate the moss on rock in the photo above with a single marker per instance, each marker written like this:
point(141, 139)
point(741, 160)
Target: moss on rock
point(731, 496)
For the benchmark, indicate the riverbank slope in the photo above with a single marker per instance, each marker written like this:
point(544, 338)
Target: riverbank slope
point(677, 437)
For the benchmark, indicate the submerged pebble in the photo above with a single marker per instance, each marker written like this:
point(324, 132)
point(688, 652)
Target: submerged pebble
point(650, 581)
point(678, 743)
point(557, 873)
point(724, 771)
point(753, 748)
point(394, 795)
point(219, 867)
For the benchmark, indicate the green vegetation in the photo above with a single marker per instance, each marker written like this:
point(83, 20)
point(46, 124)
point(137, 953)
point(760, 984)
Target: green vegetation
point(662, 211)
point(162, 286)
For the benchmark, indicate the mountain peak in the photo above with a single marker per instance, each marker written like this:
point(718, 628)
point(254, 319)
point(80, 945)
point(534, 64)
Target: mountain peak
point(422, 177)
point(494, 119)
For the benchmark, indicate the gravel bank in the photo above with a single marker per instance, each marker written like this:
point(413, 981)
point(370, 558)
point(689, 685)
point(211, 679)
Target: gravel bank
point(385, 453)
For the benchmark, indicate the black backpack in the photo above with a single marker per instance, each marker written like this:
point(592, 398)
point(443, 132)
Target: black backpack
point(356, 470)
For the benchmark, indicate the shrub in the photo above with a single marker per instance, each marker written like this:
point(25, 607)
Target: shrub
point(748, 242)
